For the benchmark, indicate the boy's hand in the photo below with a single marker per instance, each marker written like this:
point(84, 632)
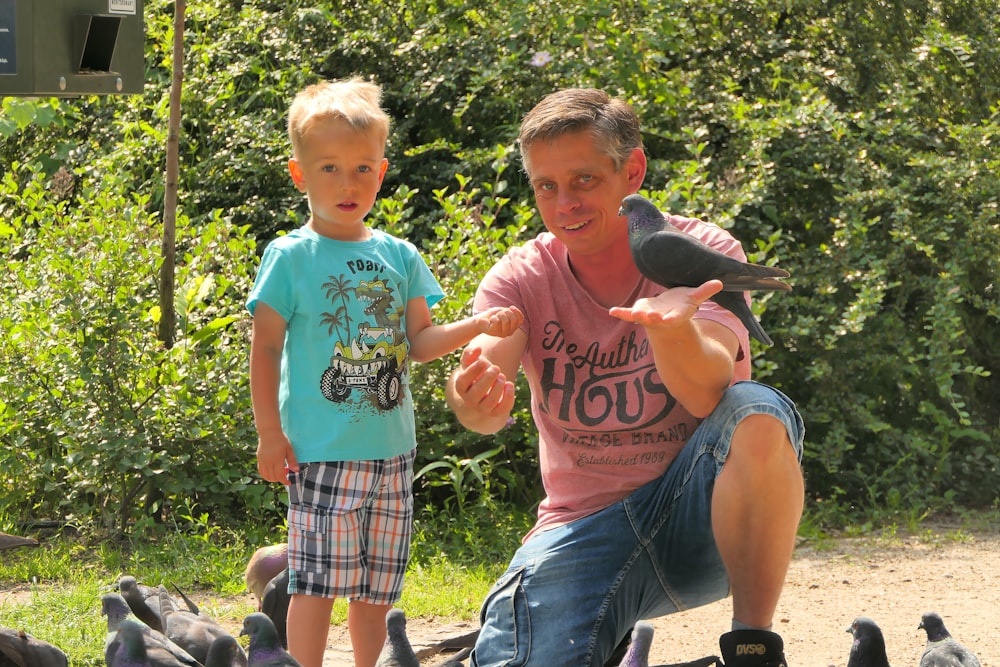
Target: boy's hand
point(500, 321)
point(275, 457)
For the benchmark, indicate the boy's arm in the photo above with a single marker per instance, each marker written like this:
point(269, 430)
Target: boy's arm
point(274, 451)
point(430, 341)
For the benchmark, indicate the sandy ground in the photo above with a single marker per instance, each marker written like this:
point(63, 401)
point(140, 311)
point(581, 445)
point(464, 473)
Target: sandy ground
point(893, 582)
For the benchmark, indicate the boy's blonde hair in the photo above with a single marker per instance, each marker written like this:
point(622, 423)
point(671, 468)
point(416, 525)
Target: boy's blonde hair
point(354, 101)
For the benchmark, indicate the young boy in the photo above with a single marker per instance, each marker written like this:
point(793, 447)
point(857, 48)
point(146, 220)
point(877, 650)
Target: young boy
point(338, 310)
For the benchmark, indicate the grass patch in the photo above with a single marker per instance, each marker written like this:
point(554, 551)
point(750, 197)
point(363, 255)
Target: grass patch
point(53, 591)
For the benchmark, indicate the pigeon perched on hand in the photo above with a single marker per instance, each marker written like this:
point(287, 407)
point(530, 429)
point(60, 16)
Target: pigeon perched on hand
point(397, 651)
point(265, 650)
point(868, 647)
point(943, 650)
point(19, 649)
point(637, 654)
point(671, 258)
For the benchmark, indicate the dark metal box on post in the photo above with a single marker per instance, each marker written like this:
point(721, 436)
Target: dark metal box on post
point(71, 48)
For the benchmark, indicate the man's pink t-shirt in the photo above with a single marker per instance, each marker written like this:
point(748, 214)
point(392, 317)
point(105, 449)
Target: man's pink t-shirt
point(606, 423)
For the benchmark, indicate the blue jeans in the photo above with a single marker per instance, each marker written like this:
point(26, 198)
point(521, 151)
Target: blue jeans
point(572, 593)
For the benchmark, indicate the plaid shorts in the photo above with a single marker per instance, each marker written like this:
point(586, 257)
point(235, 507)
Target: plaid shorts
point(349, 527)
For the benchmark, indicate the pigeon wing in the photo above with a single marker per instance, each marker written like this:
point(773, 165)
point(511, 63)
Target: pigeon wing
point(672, 258)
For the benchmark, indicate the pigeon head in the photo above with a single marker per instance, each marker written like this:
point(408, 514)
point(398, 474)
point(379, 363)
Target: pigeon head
point(132, 648)
point(868, 648)
point(933, 625)
point(260, 629)
point(642, 214)
point(115, 608)
point(223, 651)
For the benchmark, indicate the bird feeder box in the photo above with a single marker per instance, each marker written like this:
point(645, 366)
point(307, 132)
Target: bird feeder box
point(69, 48)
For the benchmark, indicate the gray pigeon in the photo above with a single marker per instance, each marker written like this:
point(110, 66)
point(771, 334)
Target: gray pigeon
point(161, 652)
point(868, 647)
point(130, 649)
point(144, 601)
point(671, 258)
point(265, 650)
point(19, 649)
point(226, 652)
point(274, 603)
point(397, 651)
point(637, 654)
point(192, 632)
point(943, 650)
point(14, 541)
point(264, 565)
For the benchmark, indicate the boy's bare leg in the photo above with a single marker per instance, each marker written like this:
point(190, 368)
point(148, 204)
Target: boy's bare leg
point(366, 623)
point(308, 627)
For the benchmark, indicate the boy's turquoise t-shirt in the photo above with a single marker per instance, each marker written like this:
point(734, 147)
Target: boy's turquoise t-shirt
point(344, 393)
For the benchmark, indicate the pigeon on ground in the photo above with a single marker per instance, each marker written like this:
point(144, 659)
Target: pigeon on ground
point(274, 602)
point(637, 654)
point(192, 607)
point(144, 601)
point(161, 651)
point(671, 258)
point(943, 650)
point(264, 565)
point(868, 648)
point(15, 541)
point(397, 651)
point(226, 652)
point(192, 632)
point(130, 649)
point(265, 650)
point(19, 649)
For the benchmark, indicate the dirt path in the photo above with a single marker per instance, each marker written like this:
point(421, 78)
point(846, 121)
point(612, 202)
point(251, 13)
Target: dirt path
point(892, 582)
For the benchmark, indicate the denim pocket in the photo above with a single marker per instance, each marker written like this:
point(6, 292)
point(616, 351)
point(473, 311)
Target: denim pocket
point(505, 636)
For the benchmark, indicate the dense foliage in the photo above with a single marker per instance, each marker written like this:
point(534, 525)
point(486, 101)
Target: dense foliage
point(854, 143)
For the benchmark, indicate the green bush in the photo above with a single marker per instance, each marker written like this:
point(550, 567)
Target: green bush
point(101, 423)
point(853, 144)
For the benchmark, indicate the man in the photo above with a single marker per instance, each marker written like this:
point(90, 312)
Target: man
point(671, 480)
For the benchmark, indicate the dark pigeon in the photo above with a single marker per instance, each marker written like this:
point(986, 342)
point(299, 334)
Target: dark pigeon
point(275, 602)
point(397, 651)
point(264, 565)
point(226, 652)
point(637, 654)
point(130, 649)
point(192, 632)
point(144, 601)
point(19, 649)
point(265, 650)
point(943, 650)
point(161, 652)
point(671, 258)
point(868, 647)
point(15, 541)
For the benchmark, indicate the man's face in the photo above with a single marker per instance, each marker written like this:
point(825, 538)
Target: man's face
point(578, 191)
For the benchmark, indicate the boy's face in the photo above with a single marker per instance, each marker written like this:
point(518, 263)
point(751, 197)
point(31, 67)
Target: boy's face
point(340, 170)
